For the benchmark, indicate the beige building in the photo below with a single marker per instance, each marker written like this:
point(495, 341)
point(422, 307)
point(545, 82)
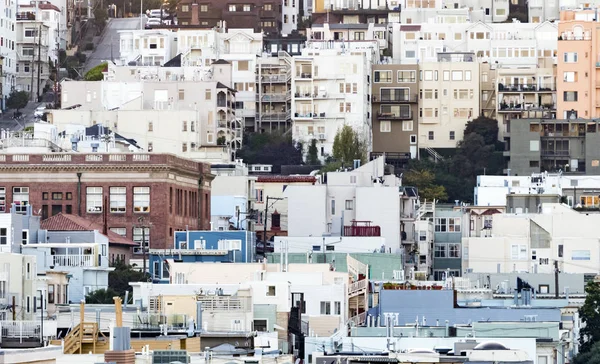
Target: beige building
point(395, 110)
point(578, 73)
point(18, 279)
point(448, 95)
point(58, 290)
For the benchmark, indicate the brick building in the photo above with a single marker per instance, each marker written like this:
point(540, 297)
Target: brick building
point(141, 196)
point(260, 15)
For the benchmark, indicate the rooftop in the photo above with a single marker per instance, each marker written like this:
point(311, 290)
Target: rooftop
point(68, 222)
point(279, 179)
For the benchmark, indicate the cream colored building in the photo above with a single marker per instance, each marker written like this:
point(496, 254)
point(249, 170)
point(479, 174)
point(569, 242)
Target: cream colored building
point(532, 242)
point(449, 98)
point(18, 279)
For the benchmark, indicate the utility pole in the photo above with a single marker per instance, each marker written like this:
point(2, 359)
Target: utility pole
point(556, 279)
point(39, 62)
point(265, 217)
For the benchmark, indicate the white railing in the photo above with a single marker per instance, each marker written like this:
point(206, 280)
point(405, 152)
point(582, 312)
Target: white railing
point(359, 319)
point(117, 158)
point(94, 158)
point(19, 329)
point(220, 303)
point(56, 158)
point(141, 157)
point(20, 158)
point(71, 260)
point(357, 286)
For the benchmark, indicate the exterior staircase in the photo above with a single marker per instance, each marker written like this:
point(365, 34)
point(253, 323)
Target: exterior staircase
point(85, 333)
point(435, 155)
point(425, 208)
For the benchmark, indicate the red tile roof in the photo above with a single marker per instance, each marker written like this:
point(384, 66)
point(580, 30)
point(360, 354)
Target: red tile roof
point(68, 222)
point(289, 179)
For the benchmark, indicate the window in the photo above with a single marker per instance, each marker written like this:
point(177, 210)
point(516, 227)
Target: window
point(50, 293)
point(467, 75)
point(569, 95)
point(141, 235)
point(204, 8)
point(383, 76)
point(560, 251)
point(407, 125)
point(181, 95)
point(259, 195)
point(349, 205)
point(31, 32)
point(119, 231)
point(268, 7)
point(570, 76)
point(430, 135)
point(21, 198)
point(3, 236)
point(518, 252)
point(271, 291)
point(332, 207)
point(325, 308)
point(407, 76)
point(246, 7)
point(452, 135)
point(454, 224)
point(94, 199)
point(337, 308)
point(150, 126)
point(207, 94)
point(184, 125)
point(440, 250)
point(454, 250)
point(232, 8)
point(45, 195)
point(385, 126)
point(185, 8)
point(441, 224)
point(2, 199)
point(260, 325)
point(69, 195)
point(446, 76)
point(457, 76)
point(24, 237)
point(141, 199)
point(118, 199)
point(192, 126)
point(570, 57)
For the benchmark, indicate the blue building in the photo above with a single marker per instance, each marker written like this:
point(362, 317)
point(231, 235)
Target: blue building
point(203, 246)
point(450, 227)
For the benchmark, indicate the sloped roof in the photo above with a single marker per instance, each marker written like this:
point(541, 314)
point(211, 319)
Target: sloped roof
point(68, 222)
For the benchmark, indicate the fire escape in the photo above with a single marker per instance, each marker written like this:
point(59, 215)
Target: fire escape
point(358, 291)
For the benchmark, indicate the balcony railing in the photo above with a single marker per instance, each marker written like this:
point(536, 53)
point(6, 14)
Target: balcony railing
point(304, 75)
point(555, 153)
point(404, 115)
point(274, 78)
point(224, 303)
point(396, 98)
point(526, 106)
point(362, 228)
point(527, 87)
point(71, 260)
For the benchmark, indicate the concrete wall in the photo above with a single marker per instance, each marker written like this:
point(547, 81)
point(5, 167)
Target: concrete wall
point(309, 215)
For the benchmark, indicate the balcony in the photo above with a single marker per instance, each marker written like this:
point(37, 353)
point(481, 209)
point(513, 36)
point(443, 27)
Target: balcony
point(273, 97)
point(555, 153)
point(526, 107)
point(273, 116)
point(396, 98)
point(29, 15)
point(224, 303)
point(72, 260)
point(303, 95)
point(362, 228)
point(25, 334)
point(300, 115)
point(527, 87)
point(404, 115)
point(274, 78)
point(306, 76)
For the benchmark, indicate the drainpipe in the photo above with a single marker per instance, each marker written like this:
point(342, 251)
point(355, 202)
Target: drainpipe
point(79, 193)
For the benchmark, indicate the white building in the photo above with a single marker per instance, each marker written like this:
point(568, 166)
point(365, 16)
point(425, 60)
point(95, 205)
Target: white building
point(7, 48)
point(506, 43)
point(348, 204)
point(329, 90)
point(289, 16)
point(533, 242)
point(18, 279)
point(349, 32)
point(325, 293)
point(32, 56)
point(492, 190)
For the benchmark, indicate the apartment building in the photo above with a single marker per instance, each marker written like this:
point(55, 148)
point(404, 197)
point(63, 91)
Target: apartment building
point(330, 88)
point(512, 43)
point(149, 196)
point(578, 72)
point(147, 110)
point(531, 242)
point(351, 31)
point(395, 110)
point(552, 145)
point(32, 49)
point(449, 98)
point(18, 279)
point(356, 12)
point(274, 94)
point(450, 226)
point(524, 93)
point(433, 11)
point(9, 58)
point(232, 197)
point(261, 15)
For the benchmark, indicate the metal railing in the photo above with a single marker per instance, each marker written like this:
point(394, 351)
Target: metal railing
point(357, 286)
point(71, 260)
point(19, 329)
point(220, 303)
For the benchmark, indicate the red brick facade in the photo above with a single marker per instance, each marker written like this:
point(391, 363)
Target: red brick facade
point(179, 190)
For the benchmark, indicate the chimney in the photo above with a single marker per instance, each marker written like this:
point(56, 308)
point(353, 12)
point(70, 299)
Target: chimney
point(195, 20)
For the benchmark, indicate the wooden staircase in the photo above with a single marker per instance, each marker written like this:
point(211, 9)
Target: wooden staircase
point(86, 333)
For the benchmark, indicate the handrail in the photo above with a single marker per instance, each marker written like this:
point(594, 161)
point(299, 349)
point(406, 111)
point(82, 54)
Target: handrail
point(357, 286)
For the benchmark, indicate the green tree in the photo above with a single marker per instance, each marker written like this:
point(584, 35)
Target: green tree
point(589, 313)
point(424, 180)
point(347, 146)
point(274, 148)
point(95, 74)
point(484, 126)
point(100, 17)
point(118, 279)
point(589, 357)
point(101, 296)
point(17, 100)
point(312, 156)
